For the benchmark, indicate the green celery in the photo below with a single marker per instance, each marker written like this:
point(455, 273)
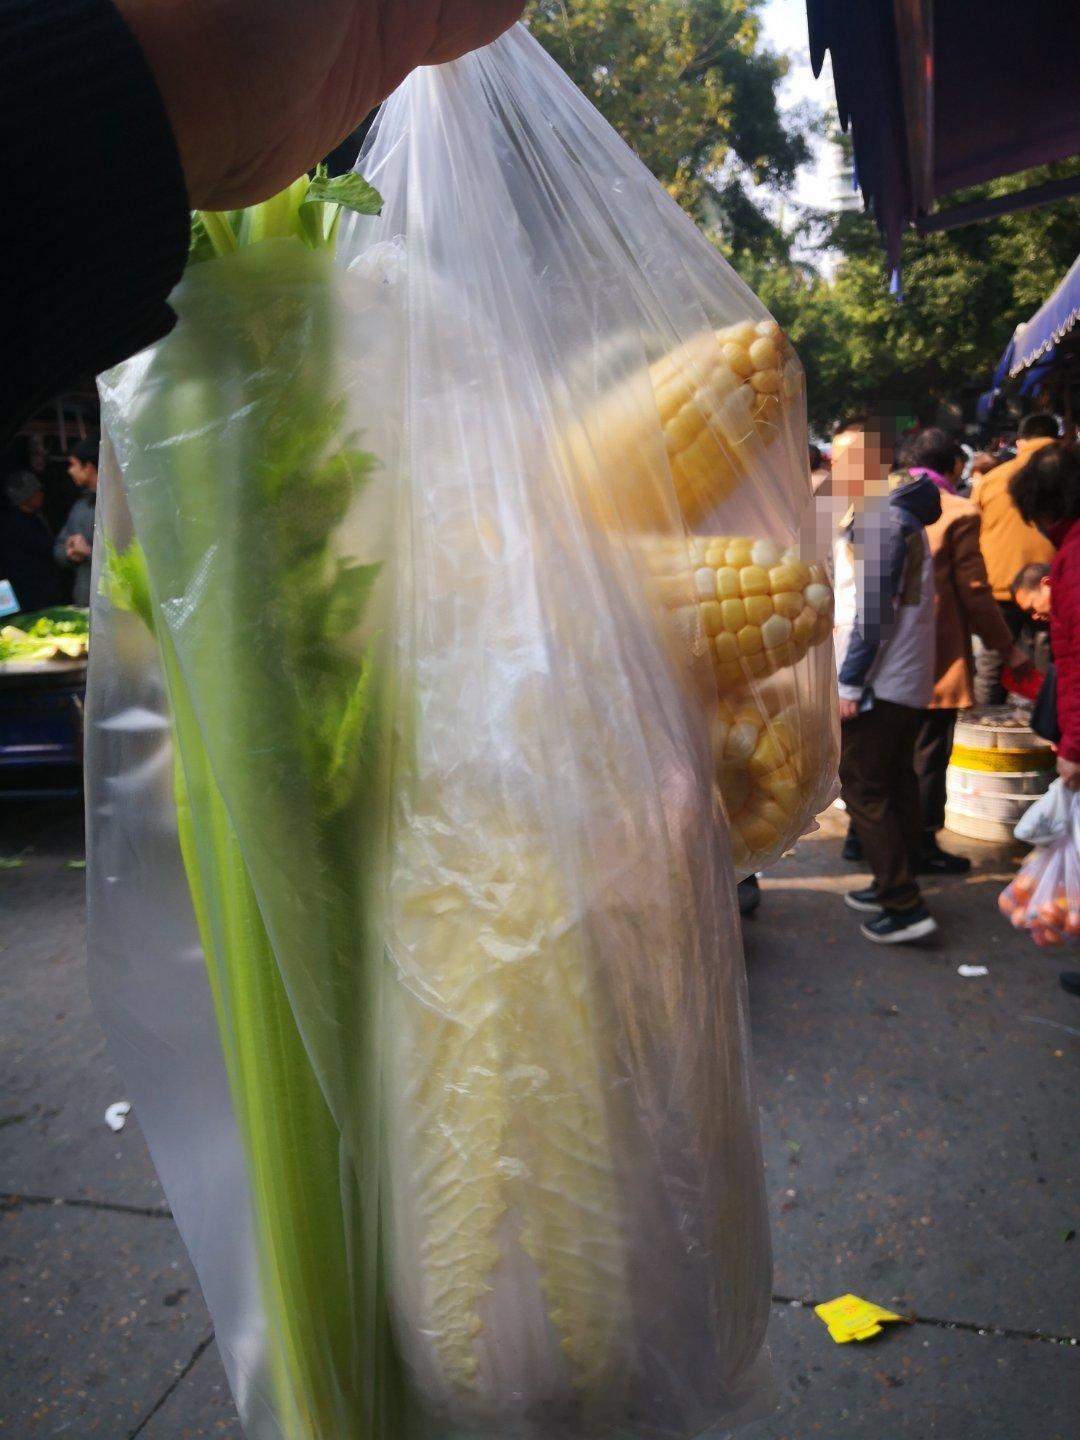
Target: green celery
point(277, 701)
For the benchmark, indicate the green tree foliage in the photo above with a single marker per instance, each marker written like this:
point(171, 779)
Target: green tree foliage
point(964, 292)
point(687, 85)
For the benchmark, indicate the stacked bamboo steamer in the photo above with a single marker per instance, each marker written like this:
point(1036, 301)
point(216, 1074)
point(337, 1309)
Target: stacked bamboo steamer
point(999, 767)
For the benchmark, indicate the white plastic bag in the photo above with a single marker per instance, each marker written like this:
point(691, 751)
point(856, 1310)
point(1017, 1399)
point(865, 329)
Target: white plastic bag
point(1044, 899)
point(483, 938)
point(1049, 817)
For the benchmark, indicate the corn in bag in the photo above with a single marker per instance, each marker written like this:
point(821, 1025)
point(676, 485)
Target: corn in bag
point(598, 412)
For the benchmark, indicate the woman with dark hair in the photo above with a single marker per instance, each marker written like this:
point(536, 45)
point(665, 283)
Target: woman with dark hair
point(964, 606)
point(1047, 494)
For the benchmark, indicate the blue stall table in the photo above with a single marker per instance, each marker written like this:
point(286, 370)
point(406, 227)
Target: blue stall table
point(41, 728)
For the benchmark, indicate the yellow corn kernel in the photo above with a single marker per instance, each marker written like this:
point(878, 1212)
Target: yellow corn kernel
point(727, 647)
point(712, 617)
point(788, 603)
point(734, 615)
point(729, 586)
point(764, 354)
point(803, 626)
point(749, 638)
point(766, 382)
point(759, 608)
point(738, 359)
point(739, 553)
point(754, 580)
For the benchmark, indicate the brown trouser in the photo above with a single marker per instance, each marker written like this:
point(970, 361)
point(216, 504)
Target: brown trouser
point(881, 792)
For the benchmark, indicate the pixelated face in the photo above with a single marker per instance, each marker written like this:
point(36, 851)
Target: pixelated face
point(1036, 602)
point(860, 465)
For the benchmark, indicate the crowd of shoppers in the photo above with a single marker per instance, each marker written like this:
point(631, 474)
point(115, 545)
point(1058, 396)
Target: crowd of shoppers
point(923, 576)
point(965, 608)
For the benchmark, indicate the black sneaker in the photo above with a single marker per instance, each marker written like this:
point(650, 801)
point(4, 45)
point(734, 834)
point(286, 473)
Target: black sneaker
point(749, 892)
point(866, 901)
point(898, 927)
point(852, 847)
point(935, 861)
point(1070, 980)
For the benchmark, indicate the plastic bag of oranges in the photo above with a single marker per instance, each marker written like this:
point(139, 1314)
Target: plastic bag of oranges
point(1044, 899)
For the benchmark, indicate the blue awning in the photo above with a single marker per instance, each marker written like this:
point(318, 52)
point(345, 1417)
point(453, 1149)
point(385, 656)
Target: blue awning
point(1037, 340)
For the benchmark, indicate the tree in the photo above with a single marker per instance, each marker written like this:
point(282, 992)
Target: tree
point(964, 292)
point(687, 85)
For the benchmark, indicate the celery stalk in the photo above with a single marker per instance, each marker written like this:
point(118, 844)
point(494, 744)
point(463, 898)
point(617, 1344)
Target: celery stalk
point(239, 472)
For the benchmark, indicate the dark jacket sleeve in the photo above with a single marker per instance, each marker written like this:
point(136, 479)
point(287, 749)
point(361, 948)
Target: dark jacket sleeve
point(96, 227)
point(880, 583)
point(1065, 642)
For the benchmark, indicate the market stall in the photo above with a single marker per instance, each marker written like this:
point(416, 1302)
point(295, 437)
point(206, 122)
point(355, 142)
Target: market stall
point(42, 689)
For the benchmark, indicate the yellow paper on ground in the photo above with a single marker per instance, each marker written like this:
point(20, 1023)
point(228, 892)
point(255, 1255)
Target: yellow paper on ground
point(850, 1318)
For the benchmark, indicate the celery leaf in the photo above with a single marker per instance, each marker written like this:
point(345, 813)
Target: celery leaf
point(351, 191)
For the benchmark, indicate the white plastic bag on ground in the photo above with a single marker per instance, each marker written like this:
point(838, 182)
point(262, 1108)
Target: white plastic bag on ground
point(466, 746)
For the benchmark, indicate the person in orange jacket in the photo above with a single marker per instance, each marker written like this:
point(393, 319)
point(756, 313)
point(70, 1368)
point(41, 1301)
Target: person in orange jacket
point(964, 606)
point(1008, 543)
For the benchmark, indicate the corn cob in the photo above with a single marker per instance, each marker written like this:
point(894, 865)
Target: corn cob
point(510, 1201)
point(768, 764)
point(718, 398)
point(760, 606)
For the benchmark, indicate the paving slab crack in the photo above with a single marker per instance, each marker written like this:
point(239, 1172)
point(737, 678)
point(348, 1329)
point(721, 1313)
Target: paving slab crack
point(196, 1355)
point(1000, 1332)
point(12, 1199)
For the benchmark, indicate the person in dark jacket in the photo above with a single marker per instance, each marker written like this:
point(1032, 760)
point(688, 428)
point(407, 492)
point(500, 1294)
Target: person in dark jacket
point(157, 108)
point(884, 579)
point(1047, 494)
point(74, 545)
point(26, 545)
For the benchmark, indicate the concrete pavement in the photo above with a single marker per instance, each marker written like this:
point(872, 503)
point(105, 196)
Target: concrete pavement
point(920, 1136)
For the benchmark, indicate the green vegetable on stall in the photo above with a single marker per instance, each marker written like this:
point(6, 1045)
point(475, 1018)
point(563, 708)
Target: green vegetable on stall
point(58, 634)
